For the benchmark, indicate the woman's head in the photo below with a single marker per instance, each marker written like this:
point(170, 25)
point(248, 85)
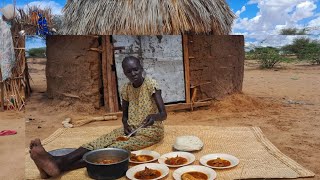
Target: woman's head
point(133, 70)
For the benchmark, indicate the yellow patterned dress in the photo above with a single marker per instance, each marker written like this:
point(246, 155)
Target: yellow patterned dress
point(141, 104)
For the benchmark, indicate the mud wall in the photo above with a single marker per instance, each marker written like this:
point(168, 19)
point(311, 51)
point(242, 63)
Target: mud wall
point(73, 71)
point(218, 60)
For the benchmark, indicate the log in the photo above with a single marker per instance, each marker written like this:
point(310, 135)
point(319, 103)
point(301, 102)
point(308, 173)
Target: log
point(104, 75)
point(110, 84)
point(183, 106)
point(2, 91)
point(173, 107)
point(71, 95)
point(186, 66)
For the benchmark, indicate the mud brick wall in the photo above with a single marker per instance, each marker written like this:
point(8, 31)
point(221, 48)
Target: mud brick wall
point(73, 70)
point(219, 60)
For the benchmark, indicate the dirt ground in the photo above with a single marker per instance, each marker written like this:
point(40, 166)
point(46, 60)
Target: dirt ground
point(284, 103)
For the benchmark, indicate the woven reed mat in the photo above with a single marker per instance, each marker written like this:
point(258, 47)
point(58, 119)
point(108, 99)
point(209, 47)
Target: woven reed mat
point(259, 158)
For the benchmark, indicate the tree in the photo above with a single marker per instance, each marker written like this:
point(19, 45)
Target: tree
point(305, 49)
point(37, 52)
point(293, 31)
point(267, 56)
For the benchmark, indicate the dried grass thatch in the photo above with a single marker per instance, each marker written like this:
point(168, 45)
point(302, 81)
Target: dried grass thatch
point(28, 21)
point(146, 17)
point(17, 87)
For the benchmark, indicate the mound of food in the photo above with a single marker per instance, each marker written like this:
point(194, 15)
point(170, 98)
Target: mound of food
point(219, 163)
point(188, 143)
point(194, 175)
point(140, 158)
point(176, 161)
point(147, 174)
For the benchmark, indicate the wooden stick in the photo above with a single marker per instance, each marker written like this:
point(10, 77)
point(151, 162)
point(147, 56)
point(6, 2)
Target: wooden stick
point(71, 95)
point(114, 79)
point(104, 75)
point(186, 66)
point(2, 91)
point(2, 95)
point(109, 73)
point(172, 107)
point(194, 94)
point(182, 106)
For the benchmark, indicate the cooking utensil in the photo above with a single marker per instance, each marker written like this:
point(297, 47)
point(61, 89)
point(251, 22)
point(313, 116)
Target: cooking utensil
point(134, 131)
point(126, 138)
point(61, 152)
point(107, 171)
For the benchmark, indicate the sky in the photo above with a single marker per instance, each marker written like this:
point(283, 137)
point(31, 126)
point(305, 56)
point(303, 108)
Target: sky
point(260, 21)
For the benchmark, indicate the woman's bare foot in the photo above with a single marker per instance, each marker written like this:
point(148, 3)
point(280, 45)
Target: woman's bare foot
point(44, 161)
point(43, 174)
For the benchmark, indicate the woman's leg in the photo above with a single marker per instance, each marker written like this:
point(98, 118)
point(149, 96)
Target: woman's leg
point(49, 165)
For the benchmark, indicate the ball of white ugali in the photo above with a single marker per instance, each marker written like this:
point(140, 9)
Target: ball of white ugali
point(188, 143)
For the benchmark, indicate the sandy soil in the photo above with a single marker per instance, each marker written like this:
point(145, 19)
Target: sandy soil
point(284, 103)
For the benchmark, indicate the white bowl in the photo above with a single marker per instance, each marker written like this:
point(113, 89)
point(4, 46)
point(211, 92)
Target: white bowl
point(190, 158)
point(160, 167)
point(208, 171)
point(233, 160)
point(154, 154)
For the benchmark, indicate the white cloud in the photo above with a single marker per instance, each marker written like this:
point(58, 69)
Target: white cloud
point(304, 10)
point(241, 11)
point(56, 8)
point(274, 15)
point(315, 26)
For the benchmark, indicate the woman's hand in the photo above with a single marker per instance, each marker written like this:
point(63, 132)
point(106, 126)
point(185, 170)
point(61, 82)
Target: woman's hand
point(127, 129)
point(149, 120)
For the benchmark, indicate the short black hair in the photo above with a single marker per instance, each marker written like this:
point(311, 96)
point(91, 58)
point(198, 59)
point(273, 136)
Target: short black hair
point(131, 58)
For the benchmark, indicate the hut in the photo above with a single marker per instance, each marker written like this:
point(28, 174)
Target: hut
point(15, 89)
point(183, 44)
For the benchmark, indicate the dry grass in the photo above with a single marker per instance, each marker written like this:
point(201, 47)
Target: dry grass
point(142, 17)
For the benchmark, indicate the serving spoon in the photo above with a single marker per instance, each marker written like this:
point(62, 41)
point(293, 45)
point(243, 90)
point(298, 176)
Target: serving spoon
point(126, 138)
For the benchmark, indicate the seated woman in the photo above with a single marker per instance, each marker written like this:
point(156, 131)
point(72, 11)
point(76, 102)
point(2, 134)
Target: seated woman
point(142, 105)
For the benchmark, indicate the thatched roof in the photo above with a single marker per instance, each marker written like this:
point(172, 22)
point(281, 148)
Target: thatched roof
point(146, 17)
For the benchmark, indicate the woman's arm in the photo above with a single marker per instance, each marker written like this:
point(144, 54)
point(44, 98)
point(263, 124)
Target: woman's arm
point(125, 109)
point(162, 115)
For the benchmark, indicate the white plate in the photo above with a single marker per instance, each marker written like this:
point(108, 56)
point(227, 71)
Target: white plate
point(154, 154)
point(233, 160)
point(208, 171)
point(190, 157)
point(160, 167)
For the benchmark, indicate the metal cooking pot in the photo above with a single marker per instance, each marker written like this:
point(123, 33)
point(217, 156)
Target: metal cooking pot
point(107, 171)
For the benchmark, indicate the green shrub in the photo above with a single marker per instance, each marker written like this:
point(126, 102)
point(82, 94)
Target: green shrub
point(37, 52)
point(305, 49)
point(267, 56)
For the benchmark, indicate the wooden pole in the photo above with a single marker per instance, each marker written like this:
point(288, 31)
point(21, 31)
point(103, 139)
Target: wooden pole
point(110, 84)
point(2, 92)
point(104, 75)
point(186, 66)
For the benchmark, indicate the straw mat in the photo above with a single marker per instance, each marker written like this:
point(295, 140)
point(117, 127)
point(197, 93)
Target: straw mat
point(259, 158)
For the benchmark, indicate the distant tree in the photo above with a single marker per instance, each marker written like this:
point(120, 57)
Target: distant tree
point(267, 56)
point(304, 49)
point(37, 52)
point(293, 31)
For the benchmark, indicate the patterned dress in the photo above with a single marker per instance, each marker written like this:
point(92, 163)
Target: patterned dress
point(141, 104)
point(7, 57)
